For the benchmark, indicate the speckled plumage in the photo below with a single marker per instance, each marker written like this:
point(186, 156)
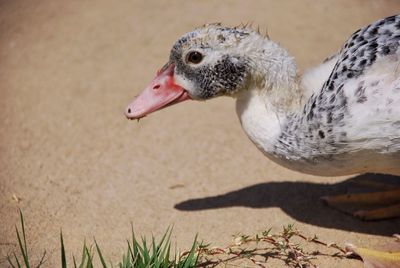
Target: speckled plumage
point(357, 110)
point(341, 117)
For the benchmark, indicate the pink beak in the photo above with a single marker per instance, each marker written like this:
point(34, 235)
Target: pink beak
point(160, 93)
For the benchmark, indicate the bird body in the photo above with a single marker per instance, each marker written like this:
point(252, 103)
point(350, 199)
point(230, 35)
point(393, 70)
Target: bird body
point(352, 128)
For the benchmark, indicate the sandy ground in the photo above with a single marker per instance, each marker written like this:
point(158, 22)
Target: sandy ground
point(67, 71)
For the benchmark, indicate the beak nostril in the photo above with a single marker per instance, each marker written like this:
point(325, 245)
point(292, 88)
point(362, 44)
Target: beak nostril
point(156, 87)
point(129, 110)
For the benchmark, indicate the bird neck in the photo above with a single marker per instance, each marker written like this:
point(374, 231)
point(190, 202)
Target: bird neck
point(273, 95)
point(274, 77)
point(261, 119)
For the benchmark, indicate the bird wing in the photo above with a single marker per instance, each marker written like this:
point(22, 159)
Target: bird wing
point(358, 106)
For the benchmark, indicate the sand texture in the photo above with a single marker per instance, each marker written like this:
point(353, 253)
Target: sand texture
point(69, 159)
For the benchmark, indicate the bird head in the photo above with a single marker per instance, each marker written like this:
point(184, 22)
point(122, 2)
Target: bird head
point(208, 62)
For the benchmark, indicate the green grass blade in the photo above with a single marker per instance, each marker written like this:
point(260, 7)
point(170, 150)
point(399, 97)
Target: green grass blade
point(165, 246)
point(125, 261)
point(16, 259)
point(130, 252)
point(166, 237)
point(131, 255)
point(191, 259)
point(138, 252)
point(145, 251)
point(63, 258)
point(90, 258)
point(21, 246)
point(168, 250)
point(100, 255)
point(142, 253)
point(83, 258)
point(23, 232)
point(136, 259)
point(154, 254)
point(74, 261)
point(10, 262)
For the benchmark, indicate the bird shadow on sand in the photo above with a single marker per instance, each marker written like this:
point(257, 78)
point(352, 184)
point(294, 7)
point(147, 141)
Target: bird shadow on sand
point(301, 200)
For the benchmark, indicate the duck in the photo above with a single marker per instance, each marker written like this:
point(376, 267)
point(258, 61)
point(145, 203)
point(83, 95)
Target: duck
point(341, 117)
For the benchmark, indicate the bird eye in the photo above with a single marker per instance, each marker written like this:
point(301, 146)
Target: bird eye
point(194, 57)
